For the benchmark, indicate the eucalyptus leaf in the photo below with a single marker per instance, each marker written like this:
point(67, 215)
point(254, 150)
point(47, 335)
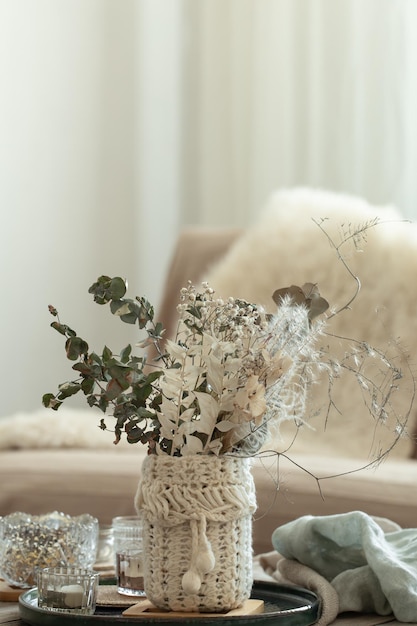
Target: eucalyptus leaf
point(146, 313)
point(92, 401)
point(157, 332)
point(101, 290)
point(103, 403)
point(142, 392)
point(83, 368)
point(134, 435)
point(125, 354)
point(75, 347)
point(107, 354)
point(113, 389)
point(120, 374)
point(123, 307)
point(68, 389)
point(61, 328)
point(117, 288)
point(144, 413)
point(87, 385)
point(129, 318)
point(50, 402)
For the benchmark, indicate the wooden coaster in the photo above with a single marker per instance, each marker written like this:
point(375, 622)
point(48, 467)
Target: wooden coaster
point(105, 569)
point(9, 593)
point(145, 608)
point(107, 595)
point(105, 574)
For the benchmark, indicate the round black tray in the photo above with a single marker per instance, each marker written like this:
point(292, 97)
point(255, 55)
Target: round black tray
point(286, 605)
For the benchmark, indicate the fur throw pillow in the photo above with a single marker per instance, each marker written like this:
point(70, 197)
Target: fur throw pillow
point(66, 428)
point(284, 247)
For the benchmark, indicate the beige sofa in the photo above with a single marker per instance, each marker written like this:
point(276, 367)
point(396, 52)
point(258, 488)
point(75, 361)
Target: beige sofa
point(101, 479)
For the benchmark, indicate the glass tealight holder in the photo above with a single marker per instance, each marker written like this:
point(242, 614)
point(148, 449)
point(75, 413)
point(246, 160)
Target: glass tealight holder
point(67, 590)
point(105, 560)
point(128, 549)
point(32, 542)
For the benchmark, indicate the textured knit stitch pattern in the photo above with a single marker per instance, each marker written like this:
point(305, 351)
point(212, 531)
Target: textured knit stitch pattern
point(197, 516)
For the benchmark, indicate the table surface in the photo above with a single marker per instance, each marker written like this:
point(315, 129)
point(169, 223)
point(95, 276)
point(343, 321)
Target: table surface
point(9, 614)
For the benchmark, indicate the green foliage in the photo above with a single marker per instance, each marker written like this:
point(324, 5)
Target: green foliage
point(122, 382)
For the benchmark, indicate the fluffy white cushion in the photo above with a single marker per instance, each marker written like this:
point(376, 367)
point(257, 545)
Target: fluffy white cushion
point(66, 428)
point(285, 246)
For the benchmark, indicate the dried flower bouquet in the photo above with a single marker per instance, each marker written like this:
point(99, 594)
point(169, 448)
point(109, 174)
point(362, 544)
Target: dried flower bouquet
point(231, 372)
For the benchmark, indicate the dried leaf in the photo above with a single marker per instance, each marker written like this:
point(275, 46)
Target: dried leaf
point(187, 415)
point(295, 293)
point(193, 445)
point(215, 373)
point(176, 351)
point(209, 410)
point(308, 295)
point(169, 410)
point(224, 426)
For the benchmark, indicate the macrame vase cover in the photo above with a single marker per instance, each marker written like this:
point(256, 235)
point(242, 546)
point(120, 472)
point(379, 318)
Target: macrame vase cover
point(197, 536)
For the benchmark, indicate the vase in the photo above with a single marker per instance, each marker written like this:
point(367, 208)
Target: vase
point(197, 531)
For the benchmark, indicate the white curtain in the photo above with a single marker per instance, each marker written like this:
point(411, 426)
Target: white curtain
point(67, 182)
point(120, 122)
point(289, 92)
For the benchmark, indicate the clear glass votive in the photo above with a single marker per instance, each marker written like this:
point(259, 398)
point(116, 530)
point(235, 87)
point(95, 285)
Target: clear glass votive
point(105, 551)
point(67, 590)
point(32, 542)
point(128, 549)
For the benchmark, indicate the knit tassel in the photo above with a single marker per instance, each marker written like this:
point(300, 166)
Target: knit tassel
point(202, 557)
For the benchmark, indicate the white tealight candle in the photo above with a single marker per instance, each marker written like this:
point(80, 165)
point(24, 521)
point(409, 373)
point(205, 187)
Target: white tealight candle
point(72, 596)
point(133, 566)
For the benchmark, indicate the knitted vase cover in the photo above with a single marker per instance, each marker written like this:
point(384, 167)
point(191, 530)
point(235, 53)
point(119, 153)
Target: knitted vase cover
point(197, 536)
